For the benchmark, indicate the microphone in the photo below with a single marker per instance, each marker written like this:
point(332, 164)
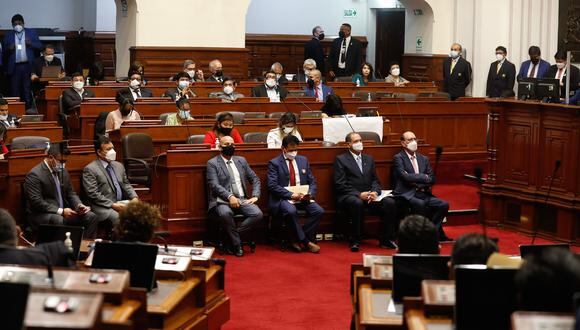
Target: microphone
point(545, 204)
point(162, 235)
point(478, 172)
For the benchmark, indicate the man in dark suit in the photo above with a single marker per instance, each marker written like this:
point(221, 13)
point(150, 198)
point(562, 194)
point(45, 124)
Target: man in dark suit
point(414, 178)
point(358, 188)
point(72, 97)
point(501, 76)
point(216, 69)
point(51, 198)
point(47, 59)
point(345, 54)
point(21, 46)
point(559, 71)
point(270, 88)
point(316, 88)
point(535, 67)
point(313, 49)
point(227, 177)
point(183, 88)
point(308, 65)
point(290, 169)
point(279, 71)
point(6, 119)
point(135, 91)
point(456, 73)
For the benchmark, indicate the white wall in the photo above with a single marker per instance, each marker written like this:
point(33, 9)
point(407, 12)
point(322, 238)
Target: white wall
point(66, 15)
point(106, 16)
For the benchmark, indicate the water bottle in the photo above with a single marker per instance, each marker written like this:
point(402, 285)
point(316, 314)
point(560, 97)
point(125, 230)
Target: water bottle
point(369, 98)
point(68, 242)
point(217, 143)
point(357, 82)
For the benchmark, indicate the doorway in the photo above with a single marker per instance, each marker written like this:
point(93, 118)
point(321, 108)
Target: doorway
point(390, 39)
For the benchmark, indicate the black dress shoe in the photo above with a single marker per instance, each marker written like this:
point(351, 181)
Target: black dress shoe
point(445, 238)
point(354, 247)
point(238, 251)
point(388, 244)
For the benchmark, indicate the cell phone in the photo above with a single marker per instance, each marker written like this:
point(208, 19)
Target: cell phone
point(58, 304)
point(169, 260)
point(196, 252)
point(100, 278)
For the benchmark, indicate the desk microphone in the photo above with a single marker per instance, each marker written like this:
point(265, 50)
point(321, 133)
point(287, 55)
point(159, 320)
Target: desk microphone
point(545, 204)
point(161, 235)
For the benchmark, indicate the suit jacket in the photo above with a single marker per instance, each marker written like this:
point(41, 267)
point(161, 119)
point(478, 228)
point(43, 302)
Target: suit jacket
point(260, 91)
point(348, 179)
point(41, 194)
point(39, 63)
point(541, 69)
point(11, 118)
point(282, 81)
point(215, 79)
point(71, 99)
point(8, 46)
point(219, 183)
point(499, 82)
point(99, 188)
point(574, 78)
point(326, 90)
point(173, 92)
point(56, 252)
point(279, 177)
point(353, 56)
point(225, 97)
point(313, 49)
point(145, 92)
point(456, 81)
point(406, 181)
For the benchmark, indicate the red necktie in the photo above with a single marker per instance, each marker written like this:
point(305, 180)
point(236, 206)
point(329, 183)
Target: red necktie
point(316, 92)
point(533, 72)
point(292, 173)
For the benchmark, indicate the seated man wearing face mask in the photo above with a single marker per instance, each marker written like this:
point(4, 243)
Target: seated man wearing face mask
point(289, 169)
point(125, 112)
point(227, 178)
point(135, 91)
point(229, 91)
point(73, 96)
point(189, 68)
point(47, 59)
point(395, 75)
point(308, 65)
point(183, 88)
point(316, 88)
point(414, 178)
point(105, 183)
point(6, 119)
point(270, 88)
point(216, 69)
point(51, 199)
point(280, 77)
point(182, 115)
point(358, 187)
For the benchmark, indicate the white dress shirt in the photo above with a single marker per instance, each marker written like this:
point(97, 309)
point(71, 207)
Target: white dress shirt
point(343, 65)
point(237, 178)
point(530, 70)
point(296, 173)
point(59, 211)
point(273, 94)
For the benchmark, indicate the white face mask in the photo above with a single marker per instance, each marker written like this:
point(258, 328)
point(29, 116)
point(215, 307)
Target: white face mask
point(191, 73)
point(306, 72)
point(271, 82)
point(454, 54)
point(412, 146)
point(135, 83)
point(3, 117)
point(183, 84)
point(288, 130)
point(228, 90)
point(357, 146)
point(499, 57)
point(78, 85)
point(18, 28)
point(396, 72)
point(184, 114)
point(49, 58)
point(111, 155)
point(561, 65)
point(291, 155)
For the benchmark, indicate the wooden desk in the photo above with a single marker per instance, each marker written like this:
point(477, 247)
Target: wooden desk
point(526, 139)
point(175, 304)
point(48, 129)
point(16, 107)
point(86, 316)
point(372, 309)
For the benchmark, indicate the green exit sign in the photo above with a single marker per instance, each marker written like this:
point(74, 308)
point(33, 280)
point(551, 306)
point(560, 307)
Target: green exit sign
point(350, 12)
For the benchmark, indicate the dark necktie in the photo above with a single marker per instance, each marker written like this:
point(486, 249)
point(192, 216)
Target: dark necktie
point(343, 51)
point(118, 191)
point(235, 189)
point(533, 72)
point(292, 172)
point(58, 190)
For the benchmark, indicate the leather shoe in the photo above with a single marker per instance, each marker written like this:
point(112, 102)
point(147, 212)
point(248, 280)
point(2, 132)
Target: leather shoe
point(238, 251)
point(296, 247)
point(314, 248)
point(388, 244)
point(354, 247)
point(445, 238)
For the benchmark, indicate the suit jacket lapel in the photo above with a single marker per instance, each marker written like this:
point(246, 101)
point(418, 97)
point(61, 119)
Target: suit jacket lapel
point(242, 172)
point(354, 165)
point(106, 174)
point(223, 167)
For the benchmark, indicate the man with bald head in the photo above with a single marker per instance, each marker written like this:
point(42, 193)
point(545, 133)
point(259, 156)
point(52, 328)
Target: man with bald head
point(316, 88)
point(227, 178)
point(456, 72)
point(216, 69)
point(414, 178)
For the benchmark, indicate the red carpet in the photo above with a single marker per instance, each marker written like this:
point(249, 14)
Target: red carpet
point(284, 290)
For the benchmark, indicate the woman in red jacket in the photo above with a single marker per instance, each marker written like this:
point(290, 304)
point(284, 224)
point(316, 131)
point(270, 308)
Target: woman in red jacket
point(223, 126)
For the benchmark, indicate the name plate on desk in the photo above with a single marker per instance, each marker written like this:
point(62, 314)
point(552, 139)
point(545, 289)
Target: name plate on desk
point(439, 297)
point(200, 256)
point(370, 259)
point(336, 129)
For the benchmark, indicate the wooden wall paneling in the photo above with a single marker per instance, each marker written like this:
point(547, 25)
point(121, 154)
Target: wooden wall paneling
point(423, 67)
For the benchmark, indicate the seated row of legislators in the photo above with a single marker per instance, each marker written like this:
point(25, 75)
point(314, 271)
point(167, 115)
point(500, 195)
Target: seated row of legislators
point(21, 46)
point(51, 199)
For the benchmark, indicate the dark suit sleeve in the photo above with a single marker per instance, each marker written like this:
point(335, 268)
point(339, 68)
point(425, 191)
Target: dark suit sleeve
point(34, 41)
point(33, 190)
point(125, 184)
point(274, 188)
point(399, 168)
point(283, 93)
point(467, 73)
point(313, 188)
point(489, 80)
point(214, 183)
point(341, 183)
point(376, 183)
point(253, 179)
point(521, 72)
point(332, 56)
point(511, 76)
point(69, 101)
point(91, 188)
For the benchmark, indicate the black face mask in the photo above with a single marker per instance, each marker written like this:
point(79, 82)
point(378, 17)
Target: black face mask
point(228, 150)
point(219, 73)
point(341, 34)
point(321, 36)
point(536, 61)
point(225, 130)
point(310, 83)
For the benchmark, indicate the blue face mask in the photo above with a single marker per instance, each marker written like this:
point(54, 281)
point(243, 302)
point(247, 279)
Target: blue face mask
point(59, 167)
point(184, 114)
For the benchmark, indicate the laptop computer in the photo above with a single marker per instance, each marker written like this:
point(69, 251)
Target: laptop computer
point(53, 233)
point(138, 258)
point(51, 71)
point(536, 250)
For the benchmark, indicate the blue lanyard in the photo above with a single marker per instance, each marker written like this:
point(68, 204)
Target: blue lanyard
point(21, 36)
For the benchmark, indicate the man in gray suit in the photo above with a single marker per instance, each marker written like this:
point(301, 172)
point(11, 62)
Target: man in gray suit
point(51, 198)
point(105, 183)
point(226, 176)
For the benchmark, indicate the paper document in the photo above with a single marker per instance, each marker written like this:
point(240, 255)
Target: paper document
point(301, 189)
point(384, 193)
